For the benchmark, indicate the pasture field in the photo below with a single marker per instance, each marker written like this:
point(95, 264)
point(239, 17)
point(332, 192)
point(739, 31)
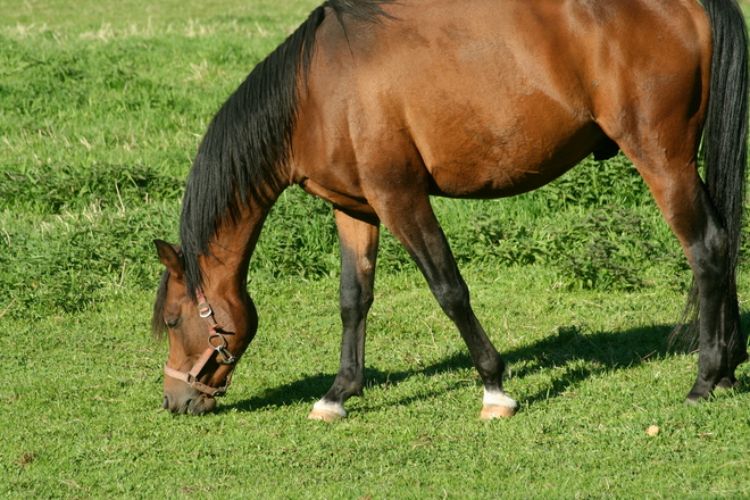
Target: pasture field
point(102, 105)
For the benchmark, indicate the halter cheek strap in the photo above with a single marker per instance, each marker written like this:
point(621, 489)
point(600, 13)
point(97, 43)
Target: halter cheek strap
point(217, 345)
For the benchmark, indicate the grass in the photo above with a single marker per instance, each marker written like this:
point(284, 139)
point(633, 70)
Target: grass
point(578, 284)
point(591, 369)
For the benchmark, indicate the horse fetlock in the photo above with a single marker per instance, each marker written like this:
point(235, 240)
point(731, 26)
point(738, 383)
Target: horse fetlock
point(491, 367)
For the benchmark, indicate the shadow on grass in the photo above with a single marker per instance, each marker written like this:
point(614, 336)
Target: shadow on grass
point(602, 351)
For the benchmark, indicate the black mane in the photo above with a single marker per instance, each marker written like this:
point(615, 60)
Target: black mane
point(250, 136)
point(361, 10)
point(157, 319)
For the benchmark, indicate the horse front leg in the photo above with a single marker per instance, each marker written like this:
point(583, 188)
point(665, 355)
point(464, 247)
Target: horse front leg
point(359, 248)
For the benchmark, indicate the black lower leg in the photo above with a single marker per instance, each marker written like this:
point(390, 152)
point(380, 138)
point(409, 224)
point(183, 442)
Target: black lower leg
point(359, 241)
point(453, 296)
point(350, 379)
point(721, 343)
point(424, 239)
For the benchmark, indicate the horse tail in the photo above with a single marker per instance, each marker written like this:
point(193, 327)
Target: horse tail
point(725, 132)
point(724, 148)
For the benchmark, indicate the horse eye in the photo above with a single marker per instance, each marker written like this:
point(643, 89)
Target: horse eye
point(172, 322)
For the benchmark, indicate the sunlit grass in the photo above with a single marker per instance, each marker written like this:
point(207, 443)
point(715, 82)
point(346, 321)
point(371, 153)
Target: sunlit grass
point(590, 369)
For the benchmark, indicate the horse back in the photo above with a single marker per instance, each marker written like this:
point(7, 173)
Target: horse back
point(488, 98)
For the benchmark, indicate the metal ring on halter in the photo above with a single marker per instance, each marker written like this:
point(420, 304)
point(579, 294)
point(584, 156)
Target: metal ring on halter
point(227, 357)
point(204, 310)
point(217, 335)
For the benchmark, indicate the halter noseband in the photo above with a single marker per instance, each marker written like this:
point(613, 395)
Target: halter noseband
point(217, 344)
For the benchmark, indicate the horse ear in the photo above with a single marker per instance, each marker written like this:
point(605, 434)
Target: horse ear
point(169, 255)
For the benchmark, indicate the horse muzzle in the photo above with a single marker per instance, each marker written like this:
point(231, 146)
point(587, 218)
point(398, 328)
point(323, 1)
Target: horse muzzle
point(189, 401)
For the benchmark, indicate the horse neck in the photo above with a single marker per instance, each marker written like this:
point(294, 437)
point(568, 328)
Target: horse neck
point(225, 265)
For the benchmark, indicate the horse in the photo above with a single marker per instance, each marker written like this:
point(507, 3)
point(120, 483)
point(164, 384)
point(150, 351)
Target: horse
point(377, 105)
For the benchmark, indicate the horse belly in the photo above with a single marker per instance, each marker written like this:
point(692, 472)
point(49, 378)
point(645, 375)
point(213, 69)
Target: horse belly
point(486, 162)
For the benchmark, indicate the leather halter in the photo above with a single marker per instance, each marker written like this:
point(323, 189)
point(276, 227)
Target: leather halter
point(217, 345)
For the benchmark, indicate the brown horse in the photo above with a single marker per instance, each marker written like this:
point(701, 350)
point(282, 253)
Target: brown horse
point(375, 105)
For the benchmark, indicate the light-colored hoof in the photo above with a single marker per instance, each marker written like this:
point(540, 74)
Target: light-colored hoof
point(324, 415)
point(497, 404)
point(491, 412)
point(327, 411)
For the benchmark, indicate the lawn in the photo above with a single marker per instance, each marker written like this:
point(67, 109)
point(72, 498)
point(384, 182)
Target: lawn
point(102, 105)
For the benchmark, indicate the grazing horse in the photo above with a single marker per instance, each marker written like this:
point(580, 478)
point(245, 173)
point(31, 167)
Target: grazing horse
point(376, 105)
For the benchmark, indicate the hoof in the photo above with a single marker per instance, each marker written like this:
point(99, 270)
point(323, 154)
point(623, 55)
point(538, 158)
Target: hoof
point(728, 383)
point(324, 415)
point(491, 412)
point(327, 412)
point(695, 399)
point(497, 404)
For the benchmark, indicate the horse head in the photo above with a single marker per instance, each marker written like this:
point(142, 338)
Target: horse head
point(206, 338)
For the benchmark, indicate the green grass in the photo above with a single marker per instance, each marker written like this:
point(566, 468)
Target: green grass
point(591, 369)
point(102, 105)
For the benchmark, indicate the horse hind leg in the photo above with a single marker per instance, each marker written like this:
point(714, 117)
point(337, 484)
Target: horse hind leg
point(721, 342)
point(687, 207)
point(359, 247)
point(410, 218)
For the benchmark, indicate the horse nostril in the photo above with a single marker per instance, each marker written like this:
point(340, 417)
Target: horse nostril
point(165, 403)
point(198, 406)
point(186, 406)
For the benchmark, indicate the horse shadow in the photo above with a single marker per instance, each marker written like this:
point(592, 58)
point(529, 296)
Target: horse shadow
point(601, 352)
